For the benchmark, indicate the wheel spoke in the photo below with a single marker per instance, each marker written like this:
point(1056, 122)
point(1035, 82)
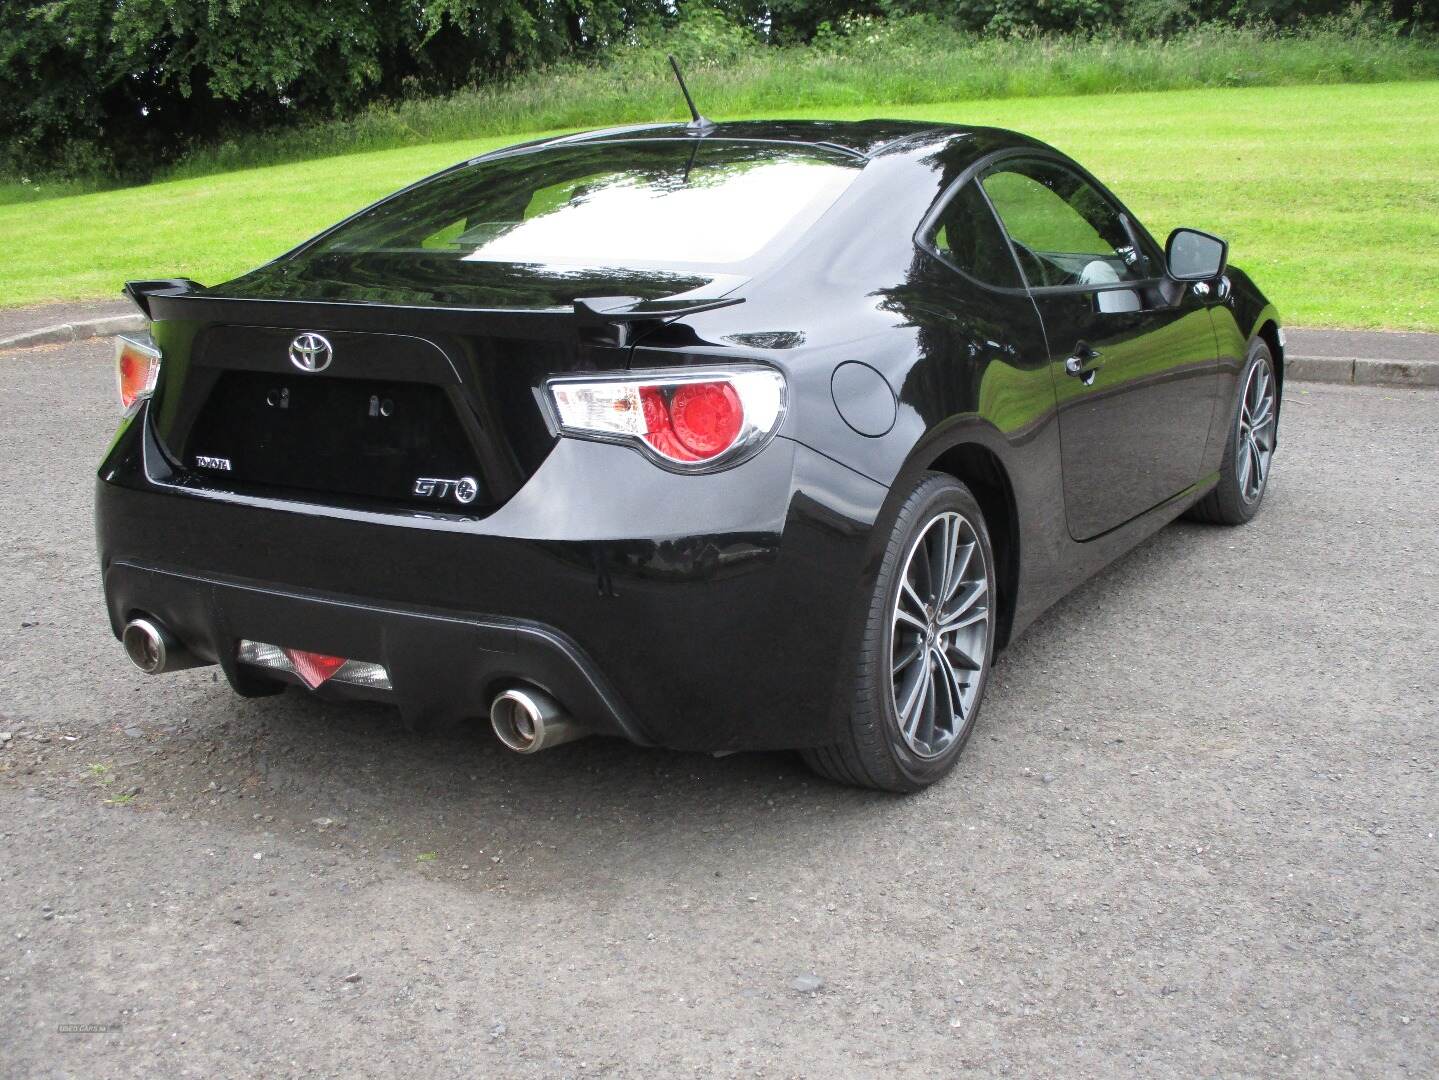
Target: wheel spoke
point(941, 555)
point(973, 591)
point(1264, 436)
point(923, 565)
point(961, 566)
point(1256, 471)
point(954, 688)
point(917, 686)
point(912, 621)
point(911, 654)
point(1244, 466)
point(924, 732)
point(907, 592)
point(960, 657)
point(951, 700)
point(1260, 416)
point(975, 615)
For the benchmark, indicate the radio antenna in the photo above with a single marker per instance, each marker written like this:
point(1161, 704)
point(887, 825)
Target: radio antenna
point(698, 125)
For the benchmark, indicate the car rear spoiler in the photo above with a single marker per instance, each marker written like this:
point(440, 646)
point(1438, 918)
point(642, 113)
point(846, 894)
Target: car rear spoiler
point(611, 319)
point(139, 291)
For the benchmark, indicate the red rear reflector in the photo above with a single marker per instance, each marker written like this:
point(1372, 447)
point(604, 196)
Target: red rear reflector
point(314, 668)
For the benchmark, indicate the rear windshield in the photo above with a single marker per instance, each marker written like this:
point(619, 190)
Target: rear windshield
point(664, 203)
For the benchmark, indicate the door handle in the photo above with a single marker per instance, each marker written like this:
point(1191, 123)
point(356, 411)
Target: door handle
point(1083, 363)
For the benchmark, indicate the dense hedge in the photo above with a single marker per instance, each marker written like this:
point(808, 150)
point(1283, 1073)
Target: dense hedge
point(109, 88)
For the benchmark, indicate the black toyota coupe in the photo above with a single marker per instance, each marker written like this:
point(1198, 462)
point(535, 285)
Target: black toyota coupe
point(715, 437)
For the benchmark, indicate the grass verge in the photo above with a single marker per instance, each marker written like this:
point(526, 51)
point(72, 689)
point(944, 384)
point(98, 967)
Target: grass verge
point(874, 64)
point(1329, 196)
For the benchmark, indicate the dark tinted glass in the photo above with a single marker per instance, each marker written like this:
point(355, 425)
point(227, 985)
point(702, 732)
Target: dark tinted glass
point(970, 238)
point(662, 203)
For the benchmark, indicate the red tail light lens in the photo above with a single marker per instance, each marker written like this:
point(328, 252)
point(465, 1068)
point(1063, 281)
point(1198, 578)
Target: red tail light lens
point(695, 420)
point(706, 417)
point(137, 367)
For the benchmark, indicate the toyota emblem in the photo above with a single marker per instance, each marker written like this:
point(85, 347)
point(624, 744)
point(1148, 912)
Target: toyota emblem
point(311, 352)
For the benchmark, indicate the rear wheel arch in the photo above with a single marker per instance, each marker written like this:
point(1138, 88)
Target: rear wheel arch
point(962, 450)
point(980, 469)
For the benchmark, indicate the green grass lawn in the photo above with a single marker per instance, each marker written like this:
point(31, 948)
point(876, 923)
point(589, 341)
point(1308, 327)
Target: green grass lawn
point(1329, 196)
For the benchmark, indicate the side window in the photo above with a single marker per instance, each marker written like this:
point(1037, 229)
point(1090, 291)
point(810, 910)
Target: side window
point(968, 236)
point(1064, 231)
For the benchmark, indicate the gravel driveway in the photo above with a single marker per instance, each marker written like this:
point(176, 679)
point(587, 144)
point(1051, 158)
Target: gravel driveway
point(1195, 835)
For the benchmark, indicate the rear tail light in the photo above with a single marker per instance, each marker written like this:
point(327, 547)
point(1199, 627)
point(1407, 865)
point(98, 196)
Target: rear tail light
point(689, 420)
point(137, 367)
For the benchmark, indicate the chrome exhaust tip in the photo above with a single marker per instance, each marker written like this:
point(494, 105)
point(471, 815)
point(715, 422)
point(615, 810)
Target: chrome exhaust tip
point(153, 649)
point(527, 721)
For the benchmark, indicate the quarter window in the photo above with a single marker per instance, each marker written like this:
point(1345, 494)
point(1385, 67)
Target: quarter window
point(968, 236)
point(1064, 231)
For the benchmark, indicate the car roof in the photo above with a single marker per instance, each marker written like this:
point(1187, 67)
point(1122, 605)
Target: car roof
point(862, 138)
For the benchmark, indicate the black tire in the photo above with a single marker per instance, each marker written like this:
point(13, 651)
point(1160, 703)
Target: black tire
point(873, 752)
point(1229, 503)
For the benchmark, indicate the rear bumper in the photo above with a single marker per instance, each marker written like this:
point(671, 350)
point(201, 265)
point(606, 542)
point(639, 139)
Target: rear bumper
point(441, 664)
point(706, 612)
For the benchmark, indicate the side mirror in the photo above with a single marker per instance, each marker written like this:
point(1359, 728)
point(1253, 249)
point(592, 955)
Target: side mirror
point(1195, 256)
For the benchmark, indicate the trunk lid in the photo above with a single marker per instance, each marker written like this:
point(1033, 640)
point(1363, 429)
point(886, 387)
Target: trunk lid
point(375, 404)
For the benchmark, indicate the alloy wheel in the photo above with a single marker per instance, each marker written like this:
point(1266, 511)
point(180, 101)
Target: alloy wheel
point(1257, 416)
point(939, 634)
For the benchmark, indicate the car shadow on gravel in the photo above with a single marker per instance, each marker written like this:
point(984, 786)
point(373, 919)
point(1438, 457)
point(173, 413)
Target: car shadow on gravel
point(352, 780)
point(454, 805)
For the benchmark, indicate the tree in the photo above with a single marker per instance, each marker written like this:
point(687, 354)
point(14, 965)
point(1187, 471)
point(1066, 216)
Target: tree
point(100, 86)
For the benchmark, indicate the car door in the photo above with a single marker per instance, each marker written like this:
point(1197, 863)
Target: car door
point(1132, 356)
